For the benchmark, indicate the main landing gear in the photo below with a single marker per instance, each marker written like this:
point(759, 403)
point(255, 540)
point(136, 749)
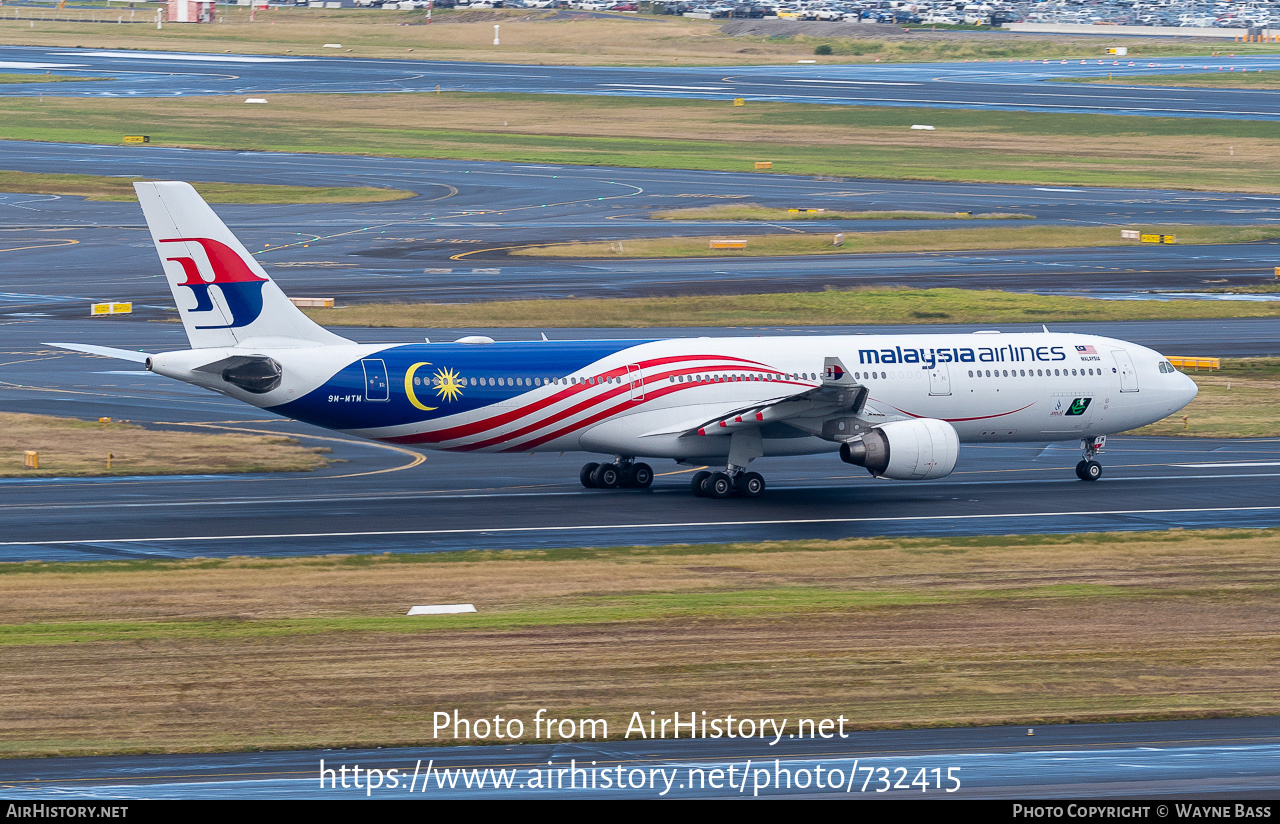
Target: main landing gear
point(623, 473)
point(707, 484)
point(1089, 469)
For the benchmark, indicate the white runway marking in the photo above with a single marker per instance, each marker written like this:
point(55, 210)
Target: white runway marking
point(1226, 465)
point(858, 82)
point(668, 88)
point(1092, 513)
point(199, 58)
point(16, 64)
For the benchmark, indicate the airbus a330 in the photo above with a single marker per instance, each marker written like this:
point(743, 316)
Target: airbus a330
point(898, 405)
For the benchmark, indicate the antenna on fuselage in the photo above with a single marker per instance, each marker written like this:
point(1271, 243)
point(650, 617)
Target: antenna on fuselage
point(1044, 326)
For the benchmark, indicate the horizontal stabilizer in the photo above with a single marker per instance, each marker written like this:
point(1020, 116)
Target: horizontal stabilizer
point(104, 351)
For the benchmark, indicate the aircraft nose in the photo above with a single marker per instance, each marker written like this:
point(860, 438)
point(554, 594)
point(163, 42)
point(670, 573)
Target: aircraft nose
point(1189, 390)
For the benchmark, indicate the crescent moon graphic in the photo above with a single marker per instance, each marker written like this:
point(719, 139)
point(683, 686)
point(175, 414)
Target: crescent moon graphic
point(408, 388)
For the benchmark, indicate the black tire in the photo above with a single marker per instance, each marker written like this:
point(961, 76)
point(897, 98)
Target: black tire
point(641, 475)
point(751, 484)
point(606, 476)
point(1093, 471)
point(585, 475)
point(719, 485)
point(698, 482)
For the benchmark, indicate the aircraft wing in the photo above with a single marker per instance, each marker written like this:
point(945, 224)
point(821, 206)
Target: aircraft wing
point(838, 394)
point(104, 351)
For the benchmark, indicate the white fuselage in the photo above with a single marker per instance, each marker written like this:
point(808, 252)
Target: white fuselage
point(649, 398)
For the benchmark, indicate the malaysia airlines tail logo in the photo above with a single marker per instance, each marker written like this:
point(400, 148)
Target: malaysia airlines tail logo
point(241, 289)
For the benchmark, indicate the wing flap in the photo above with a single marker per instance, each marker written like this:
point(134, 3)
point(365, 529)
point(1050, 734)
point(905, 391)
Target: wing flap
point(838, 393)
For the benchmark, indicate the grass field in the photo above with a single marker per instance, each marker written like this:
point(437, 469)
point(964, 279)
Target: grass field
point(755, 211)
point(532, 36)
point(1238, 401)
point(94, 187)
point(925, 240)
point(9, 79)
point(841, 141)
point(316, 652)
point(69, 447)
point(1213, 80)
point(828, 308)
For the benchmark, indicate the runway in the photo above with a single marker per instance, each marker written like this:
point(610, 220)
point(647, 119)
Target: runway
point(989, 86)
point(450, 243)
point(1232, 758)
point(390, 499)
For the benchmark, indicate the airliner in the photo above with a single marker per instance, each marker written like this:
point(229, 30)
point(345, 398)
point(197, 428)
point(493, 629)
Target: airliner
point(897, 405)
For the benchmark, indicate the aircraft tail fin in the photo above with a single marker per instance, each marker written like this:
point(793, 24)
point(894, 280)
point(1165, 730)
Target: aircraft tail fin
point(223, 294)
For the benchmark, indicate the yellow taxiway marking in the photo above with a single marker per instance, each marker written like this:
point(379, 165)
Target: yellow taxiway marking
point(46, 245)
point(680, 471)
point(416, 457)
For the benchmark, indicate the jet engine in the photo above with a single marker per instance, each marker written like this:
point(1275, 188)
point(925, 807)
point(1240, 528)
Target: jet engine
point(915, 450)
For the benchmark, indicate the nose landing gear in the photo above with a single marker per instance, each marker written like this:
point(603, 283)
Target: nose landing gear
point(1089, 469)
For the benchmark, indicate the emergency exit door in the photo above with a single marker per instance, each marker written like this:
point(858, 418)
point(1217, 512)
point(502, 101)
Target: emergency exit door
point(1128, 376)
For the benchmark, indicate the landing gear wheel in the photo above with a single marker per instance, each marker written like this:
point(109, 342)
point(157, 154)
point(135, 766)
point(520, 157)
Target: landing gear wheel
point(719, 485)
point(750, 484)
point(1088, 470)
point(586, 473)
point(698, 482)
point(640, 476)
point(606, 476)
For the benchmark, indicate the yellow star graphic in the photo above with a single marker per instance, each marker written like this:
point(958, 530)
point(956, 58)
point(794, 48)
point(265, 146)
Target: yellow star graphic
point(448, 384)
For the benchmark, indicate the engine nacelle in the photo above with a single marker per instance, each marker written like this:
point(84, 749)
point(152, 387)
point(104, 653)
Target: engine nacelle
point(916, 450)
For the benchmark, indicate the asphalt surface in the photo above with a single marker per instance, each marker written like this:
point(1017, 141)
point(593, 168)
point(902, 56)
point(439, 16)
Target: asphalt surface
point(449, 244)
point(1232, 758)
point(379, 498)
point(985, 86)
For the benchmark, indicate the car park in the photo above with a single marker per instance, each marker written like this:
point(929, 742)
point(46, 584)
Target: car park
point(1195, 14)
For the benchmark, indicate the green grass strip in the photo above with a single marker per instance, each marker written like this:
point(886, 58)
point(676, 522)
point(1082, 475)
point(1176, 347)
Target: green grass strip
point(312, 127)
point(926, 240)
point(643, 606)
point(1212, 80)
point(829, 308)
point(9, 79)
point(94, 187)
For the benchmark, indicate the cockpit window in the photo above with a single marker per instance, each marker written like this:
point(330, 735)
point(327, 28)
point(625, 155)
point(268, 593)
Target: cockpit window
point(1165, 366)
